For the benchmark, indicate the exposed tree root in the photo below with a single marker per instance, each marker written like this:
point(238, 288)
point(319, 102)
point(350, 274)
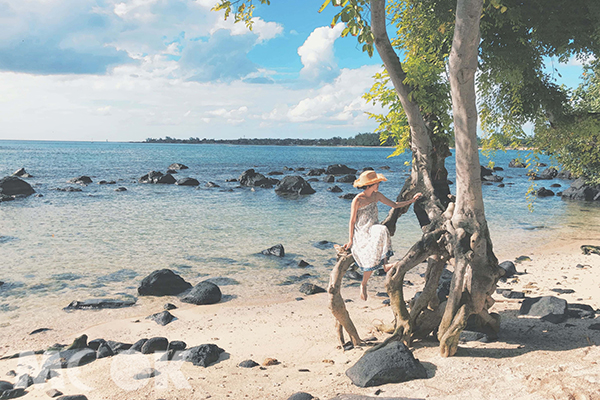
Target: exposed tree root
point(336, 302)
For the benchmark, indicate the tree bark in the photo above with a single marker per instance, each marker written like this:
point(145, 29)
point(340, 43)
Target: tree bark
point(451, 230)
point(476, 267)
point(336, 302)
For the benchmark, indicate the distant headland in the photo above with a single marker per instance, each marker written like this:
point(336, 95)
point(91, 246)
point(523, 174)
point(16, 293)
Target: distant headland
point(361, 139)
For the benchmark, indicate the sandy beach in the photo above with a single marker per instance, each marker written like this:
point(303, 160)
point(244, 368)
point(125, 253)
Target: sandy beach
point(532, 359)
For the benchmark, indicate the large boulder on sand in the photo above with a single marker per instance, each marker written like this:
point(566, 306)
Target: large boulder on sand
point(14, 186)
point(294, 185)
point(393, 363)
point(545, 307)
point(202, 355)
point(163, 282)
point(203, 293)
point(69, 358)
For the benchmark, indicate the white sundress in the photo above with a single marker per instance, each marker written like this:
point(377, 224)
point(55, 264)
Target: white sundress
point(371, 244)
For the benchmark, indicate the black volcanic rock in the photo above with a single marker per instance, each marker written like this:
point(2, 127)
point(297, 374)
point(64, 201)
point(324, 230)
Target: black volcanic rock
point(252, 178)
point(98, 304)
point(350, 178)
point(69, 358)
point(202, 355)
point(167, 179)
point(14, 186)
point(155, 344)
point(543, 192)
point(315, 172)
point(81, 180)
point(339, 169)
point(203, 293)
point(150, 177)
point(162, 318)
point(580, 190)
point(514, 163)
point(21, 173)
point(543, 307)
point(177, 166)
point(277, 251)
point(187, 182)
point(311, 288)
point(293, 185)
point(548, 173)
point(509, 268)
point(163, 282)
point(393, 363)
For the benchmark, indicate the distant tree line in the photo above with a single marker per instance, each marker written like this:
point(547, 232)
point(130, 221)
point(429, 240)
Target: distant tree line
point(361, 139)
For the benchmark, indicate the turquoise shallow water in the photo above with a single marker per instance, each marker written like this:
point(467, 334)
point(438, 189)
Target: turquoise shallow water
point(99, 242)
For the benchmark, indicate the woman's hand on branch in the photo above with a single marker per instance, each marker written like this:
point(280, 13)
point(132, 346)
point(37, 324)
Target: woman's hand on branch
point(348, 245)
point(417, 197)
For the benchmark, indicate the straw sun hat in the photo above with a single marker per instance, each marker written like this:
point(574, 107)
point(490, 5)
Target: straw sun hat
point(369, 178)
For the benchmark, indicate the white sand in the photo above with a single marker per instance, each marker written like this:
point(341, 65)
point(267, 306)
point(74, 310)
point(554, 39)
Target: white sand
point(531, 360)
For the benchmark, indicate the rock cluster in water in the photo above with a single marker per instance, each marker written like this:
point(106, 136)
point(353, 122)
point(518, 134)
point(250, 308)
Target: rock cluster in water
point(298, 186)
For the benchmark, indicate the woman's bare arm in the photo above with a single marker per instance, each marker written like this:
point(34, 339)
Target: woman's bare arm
point(397, 204)
point(353, 211)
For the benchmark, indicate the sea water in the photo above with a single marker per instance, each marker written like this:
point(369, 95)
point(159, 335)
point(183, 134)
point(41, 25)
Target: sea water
point(100, 243)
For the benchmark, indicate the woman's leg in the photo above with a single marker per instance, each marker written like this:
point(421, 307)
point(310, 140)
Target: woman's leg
point(363, 284)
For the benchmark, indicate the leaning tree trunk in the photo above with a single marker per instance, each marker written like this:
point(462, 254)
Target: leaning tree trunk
point(420, 179)
point(476, 267)
point(451, 230)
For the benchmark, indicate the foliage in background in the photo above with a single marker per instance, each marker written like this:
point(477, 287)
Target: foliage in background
point(361, 139)
point(574, 140)
point(423, 38)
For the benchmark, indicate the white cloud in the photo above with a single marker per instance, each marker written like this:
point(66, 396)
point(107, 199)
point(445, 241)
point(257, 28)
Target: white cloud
point(340, 101)
point(317, 54)
point(140, 10)
point(580, 61)
point(207, 3)
point(131, 69)
point(139, 101)
point(229, 114)
point(264, 31)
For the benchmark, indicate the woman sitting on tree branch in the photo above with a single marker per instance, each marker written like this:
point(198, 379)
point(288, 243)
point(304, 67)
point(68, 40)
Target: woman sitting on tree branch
point(370, 241)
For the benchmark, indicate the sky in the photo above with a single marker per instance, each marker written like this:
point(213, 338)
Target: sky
point(127, 70)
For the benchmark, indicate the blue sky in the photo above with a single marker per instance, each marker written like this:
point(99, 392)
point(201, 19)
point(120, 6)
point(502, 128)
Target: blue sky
point(133, 69)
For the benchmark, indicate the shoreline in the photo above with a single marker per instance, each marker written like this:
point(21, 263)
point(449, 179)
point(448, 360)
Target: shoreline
point(532, 359)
